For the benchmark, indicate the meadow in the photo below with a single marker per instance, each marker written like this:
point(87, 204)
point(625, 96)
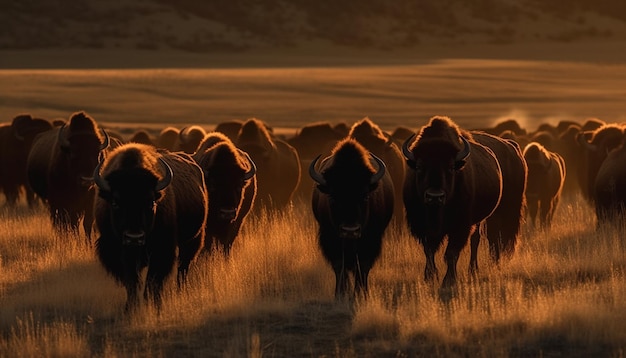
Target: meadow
point(563, 293)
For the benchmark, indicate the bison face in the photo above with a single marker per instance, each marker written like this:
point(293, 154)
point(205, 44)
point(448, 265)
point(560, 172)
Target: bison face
point(82, 153)
point(348, 195)
point(132, 214)
point(133, 196)
point(348, 210)
point(435, 166)
point(226, 193)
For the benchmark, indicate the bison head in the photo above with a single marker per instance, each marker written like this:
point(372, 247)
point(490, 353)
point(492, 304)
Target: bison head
point(81, 146)
point(347, 180)
point(132, 195)
point(227, 173)
point(435, 164)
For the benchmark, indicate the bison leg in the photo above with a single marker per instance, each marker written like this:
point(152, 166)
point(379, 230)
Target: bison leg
point(430, 246)
point(474, 243)
point(132, 298)
point(456, 243)
point(187, 253)
point(360, 281)
point(341, 281)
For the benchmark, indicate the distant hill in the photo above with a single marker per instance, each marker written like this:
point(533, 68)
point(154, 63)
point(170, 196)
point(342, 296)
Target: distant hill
point(234, 25)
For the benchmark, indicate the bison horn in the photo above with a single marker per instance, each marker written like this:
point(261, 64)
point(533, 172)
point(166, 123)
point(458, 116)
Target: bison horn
point(463, 154)
point(105, 144)
point(582, 140)
point(405, 148)
point(63, 142)
point(250, 173)
point(315, 175)
point(382, 168)
point(182, 136)
point(99, 180)
point(163, 183)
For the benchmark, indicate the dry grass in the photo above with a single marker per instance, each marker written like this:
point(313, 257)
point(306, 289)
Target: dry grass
point(561, 295)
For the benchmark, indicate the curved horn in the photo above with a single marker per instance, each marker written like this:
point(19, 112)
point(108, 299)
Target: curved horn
point(585, 143)
point(250, 173)
point(99, 180)
point(315, 175)
point(63, 142)
point(382, 168)
point(163, 183)
point(463, 154)
point(105, 144)
point(405, 148)
point(182, 136)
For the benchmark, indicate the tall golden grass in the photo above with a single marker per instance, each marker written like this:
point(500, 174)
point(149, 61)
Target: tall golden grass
point(562, 294)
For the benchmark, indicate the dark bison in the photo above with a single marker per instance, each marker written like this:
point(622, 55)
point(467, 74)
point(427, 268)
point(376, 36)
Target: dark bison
point(609, 194)
point(383, 146)
point(60, 169)
point(141, 136)
point(594, 150)
point(353, 204)
point(189, 138)
point(229, 128)
point(454, 183)
point(277, 163)
point(546, 177)
point(229, 175)
point(168, 139)
point(151, 208)
point(16, 139)
point(311, 140)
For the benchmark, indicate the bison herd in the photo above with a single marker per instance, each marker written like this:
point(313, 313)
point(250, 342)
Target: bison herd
point(158, 201)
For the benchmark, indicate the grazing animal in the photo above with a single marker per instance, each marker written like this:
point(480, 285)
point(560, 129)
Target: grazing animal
point(151, 209)
point(16, 139)
point(277, 162)
point(454, 183)
point(229, 128)
point(594, 151)
point(229, 175)
point(168, 139)
point(383, 146)
point(609, 194)
point(311, 140)
point(353, 204)
point(141, 136)
point(546, 177)
point(189, 138)
point(60, 169)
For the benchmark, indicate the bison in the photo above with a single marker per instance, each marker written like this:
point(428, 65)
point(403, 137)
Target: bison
point(60, 170)
point(353, 204)
point(594, 150)
point(168, 138)
point(455, 182)
point(277, 162)
point(382, 145)
point(309, 141)
point(229, 128)
point(151, 208)
point(16, 139)
point(546, 177)
point(229, 175)
point(609, 189)
point(189, 138)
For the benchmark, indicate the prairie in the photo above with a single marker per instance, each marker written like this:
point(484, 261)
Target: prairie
point(562, 293)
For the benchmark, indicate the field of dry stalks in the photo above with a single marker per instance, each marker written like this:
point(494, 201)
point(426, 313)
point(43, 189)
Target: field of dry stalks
point(562, 294)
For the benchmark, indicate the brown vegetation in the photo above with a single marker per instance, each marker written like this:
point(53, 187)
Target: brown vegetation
point(560, 295)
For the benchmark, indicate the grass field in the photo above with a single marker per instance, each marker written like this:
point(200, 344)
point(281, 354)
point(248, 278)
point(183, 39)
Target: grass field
point(562, 294)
